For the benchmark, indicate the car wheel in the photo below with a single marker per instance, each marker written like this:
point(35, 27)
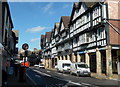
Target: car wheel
point(78, 74)
point(89, 75)
point(57, 70)
point(70, 73)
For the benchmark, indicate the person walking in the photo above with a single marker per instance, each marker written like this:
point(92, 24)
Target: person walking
point(16, 67)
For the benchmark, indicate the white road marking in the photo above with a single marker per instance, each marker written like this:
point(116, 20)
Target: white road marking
point(59, 73)
point(37, 76)
point(48, 71)
point(75, 83)
point(31, 79)
point(85, 84)
point(65, 75)
point(42, 73)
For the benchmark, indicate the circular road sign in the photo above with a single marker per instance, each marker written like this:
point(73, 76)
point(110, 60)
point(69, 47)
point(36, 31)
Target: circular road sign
point(25, 46)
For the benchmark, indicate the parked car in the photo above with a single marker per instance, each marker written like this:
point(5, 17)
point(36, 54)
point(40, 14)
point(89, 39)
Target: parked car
point(55, 66)
point(36, 65)
point(80, 69)
point(63, 65)
point(41, 66)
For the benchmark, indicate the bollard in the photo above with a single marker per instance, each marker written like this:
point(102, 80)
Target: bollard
point(22, 72)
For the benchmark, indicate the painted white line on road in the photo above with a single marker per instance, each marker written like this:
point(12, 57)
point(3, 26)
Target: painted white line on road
point(85, 84)
point(58, 78)
point(75, 83)
point(50, 76)
point(48, 71)
point(59, 73)
point(79, 84)
point(42, 73)
point(31, 79)
point(65, 75)
point(37, 76)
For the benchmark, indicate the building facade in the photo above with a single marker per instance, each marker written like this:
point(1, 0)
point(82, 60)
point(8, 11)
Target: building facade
point(47, 49)
point(8, 38)
point(91, 35)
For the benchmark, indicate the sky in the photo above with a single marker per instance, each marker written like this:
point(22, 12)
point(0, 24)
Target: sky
point(33, 19)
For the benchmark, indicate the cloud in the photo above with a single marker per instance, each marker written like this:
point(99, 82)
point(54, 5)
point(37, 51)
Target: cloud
point(35, 39)
point(66, 6)
point(36, 29)
point(48, 7)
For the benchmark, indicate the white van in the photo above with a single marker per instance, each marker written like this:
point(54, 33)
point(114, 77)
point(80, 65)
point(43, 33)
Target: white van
point(63, 65)
point(80, 69)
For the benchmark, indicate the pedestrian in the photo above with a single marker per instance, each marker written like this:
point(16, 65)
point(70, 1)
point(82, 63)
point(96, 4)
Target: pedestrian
point(11, 70)
point(16, 67)
point(7, 65)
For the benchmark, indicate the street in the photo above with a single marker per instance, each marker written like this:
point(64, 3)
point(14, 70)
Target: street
point(51, 78)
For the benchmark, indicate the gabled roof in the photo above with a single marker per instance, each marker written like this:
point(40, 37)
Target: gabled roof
point(52, 34)
point(56, 26)
point(42, 36)
point(77, 5)
point(48, 36)
point(65, 20)
point(52, 30)
point(90, 4)
point(42, 40)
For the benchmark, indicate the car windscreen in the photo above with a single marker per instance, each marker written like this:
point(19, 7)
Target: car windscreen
point(66, 64)
point(83, 65)
point(41, 65)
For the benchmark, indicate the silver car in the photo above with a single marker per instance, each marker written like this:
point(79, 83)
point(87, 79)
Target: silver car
point(41, 66)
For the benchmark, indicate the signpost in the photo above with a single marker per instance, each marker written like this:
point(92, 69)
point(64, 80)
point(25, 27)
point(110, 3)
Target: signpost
point(25, 47)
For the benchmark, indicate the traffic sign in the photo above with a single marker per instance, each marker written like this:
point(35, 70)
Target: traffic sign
point(25, 46)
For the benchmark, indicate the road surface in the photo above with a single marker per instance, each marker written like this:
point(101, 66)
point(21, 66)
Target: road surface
point(51, 78)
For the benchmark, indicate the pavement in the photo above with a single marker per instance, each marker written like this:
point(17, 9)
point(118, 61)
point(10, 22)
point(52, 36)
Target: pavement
point(13, 81)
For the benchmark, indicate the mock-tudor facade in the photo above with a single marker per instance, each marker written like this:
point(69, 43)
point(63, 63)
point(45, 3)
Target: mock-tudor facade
point(63, 45)
point(90, 35)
